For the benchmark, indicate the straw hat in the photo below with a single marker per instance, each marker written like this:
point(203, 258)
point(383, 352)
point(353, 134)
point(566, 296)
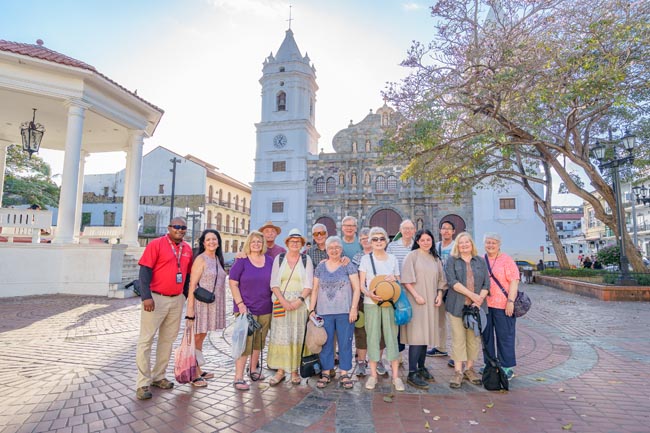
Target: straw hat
point(269, 224)
point(315, 337)
point(386, 290)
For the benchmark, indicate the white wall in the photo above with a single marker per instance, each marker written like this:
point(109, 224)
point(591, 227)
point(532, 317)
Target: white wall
point(156, 166)
point(522, 232)
point(97, 182)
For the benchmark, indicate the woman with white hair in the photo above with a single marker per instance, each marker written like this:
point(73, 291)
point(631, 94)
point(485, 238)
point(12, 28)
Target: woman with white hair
point(501, 323)
point(469, 282)
point(380, 320)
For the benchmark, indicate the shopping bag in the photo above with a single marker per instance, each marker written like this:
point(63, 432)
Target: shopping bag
point(403, 309)
point(239, 335)
point(185, 367)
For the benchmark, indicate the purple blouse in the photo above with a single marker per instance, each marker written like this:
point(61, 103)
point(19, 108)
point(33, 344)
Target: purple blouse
point(254, 285)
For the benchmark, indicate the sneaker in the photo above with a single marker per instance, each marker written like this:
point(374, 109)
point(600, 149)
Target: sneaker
point(436, 352)
point(398, 384)
point(361, 370)
point(510, 373)
point(371, 382)
point(162, 384)
point(473, 378)
point(451, 364)
point(381, 370)
point(480, 370)
point(143, 393)
point(424, 374)
point(456, 380)
point(415, 380)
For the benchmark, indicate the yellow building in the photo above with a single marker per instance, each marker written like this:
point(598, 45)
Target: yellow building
point(227, 206)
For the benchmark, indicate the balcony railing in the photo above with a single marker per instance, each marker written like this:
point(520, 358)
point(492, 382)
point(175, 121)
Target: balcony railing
point(228, 205)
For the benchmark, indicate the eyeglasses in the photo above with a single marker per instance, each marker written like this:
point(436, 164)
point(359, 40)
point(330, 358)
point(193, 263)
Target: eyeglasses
point(349, 225)
point(378, 239)
point(294, 241)
point(334, 248)
point(319, 233)
point(178, 227)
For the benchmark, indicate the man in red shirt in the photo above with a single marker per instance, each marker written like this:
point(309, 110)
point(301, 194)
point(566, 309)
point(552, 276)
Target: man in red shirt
point(164, 275)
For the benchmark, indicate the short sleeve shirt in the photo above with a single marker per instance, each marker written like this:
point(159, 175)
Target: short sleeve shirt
point(350, 249)
point(167, 259)
point(317, 255)
point(384, 267)
point(334, 289)
point(505, 270)
point(275, 250)
point(254, 285)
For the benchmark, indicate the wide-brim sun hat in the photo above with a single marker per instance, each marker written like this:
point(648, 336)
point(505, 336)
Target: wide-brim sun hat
point(270, 225)
point(386, 290)
point(295, 234)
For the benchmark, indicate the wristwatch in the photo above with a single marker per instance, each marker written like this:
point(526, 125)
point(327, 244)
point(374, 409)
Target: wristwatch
point(301, 298)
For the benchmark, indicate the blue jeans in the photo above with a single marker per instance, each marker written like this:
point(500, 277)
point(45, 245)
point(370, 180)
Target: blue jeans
point(503, 327)
point(339, 325)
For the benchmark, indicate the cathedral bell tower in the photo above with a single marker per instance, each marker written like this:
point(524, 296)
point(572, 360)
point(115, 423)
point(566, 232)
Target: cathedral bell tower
point(286, 137)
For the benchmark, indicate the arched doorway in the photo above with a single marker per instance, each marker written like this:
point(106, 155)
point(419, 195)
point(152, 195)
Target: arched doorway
point(329, 223)
point(388, 219)
point(457, 221)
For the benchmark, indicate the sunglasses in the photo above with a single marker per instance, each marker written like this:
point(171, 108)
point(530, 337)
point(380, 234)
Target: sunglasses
point(319, 233)
point(378, 239)
point(178, 227)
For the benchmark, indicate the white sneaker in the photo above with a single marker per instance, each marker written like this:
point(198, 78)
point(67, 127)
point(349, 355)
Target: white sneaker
point(372, 382)
point(399, 385)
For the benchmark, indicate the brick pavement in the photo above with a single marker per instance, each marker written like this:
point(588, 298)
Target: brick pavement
point(68, 366)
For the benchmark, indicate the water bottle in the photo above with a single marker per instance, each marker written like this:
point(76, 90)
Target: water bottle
point(317, 368)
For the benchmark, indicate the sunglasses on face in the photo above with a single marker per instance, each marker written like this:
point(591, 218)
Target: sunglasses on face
point(319, 233)
point(178, 227)
point(378, 239)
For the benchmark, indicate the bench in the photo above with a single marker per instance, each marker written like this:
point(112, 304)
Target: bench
point(112, 234)
point(25, 223)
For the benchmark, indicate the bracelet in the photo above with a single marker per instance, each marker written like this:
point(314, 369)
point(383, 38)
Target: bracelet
point(240, 302)
point(511, 301)
point(189, 318)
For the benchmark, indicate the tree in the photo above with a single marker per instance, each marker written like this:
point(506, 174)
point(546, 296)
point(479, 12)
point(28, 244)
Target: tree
point(28, 181)
point(508, 89)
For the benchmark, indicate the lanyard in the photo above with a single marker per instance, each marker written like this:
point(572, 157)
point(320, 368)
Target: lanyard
point(176, 254)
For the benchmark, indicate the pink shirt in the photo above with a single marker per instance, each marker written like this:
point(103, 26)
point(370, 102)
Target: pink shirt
point(505, 270)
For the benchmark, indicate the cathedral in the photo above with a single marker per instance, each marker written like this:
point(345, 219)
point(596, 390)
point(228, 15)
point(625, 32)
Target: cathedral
point(296, 185)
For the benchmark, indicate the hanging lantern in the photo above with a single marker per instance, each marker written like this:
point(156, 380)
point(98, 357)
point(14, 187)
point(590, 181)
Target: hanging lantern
point(32, 134)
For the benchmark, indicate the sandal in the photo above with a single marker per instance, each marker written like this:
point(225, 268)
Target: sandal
point(207, 375)
point(241, 385)
point(323, 381)
point(276, 380)
point(346, 381)
point(199, 382)
point(256, 375)
point(296, 380)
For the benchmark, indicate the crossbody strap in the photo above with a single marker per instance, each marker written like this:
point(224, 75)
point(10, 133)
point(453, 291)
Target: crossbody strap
point(495, 278)
point(372, 262)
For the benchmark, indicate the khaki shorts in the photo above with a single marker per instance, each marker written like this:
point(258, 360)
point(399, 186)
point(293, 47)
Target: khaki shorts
point(257, 341)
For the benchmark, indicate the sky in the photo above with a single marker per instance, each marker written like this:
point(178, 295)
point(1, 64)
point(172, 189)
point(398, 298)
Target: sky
point(201, 61)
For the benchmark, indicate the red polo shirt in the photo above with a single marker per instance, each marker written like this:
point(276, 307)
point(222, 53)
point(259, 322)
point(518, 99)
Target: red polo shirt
point(161, 255)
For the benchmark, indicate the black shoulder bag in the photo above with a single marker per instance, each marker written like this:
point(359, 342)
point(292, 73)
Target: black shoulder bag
point(522, 303)
point(494, 377)
point(204, 295)
point(309, 365)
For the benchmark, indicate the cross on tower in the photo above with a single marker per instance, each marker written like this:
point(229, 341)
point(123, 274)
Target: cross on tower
point(290, 19)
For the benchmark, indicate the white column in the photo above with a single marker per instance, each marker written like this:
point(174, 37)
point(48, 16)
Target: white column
point(80, 195)
point(125, 192)
point(3, 166)
point(70, 177)
point(132, 189)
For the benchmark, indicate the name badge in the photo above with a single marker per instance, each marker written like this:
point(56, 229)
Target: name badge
point(179, 278)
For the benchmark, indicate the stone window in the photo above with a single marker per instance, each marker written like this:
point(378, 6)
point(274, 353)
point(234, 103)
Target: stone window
point(227, 247)
point(507, 203)
point(281, 68)
point(279, 166)
point(227, 227)
point(105, 191)
point(277, 207)
point(331, 185)
point(219, 221)
point(391, 183)
point(320, 185)
point(380, 184)
point(281, 101)
point(161, 188)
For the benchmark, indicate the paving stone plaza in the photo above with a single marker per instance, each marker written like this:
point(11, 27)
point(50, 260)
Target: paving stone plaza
point(68, 366)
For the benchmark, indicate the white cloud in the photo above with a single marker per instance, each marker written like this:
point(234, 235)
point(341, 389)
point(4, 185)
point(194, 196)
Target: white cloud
point(412, 6)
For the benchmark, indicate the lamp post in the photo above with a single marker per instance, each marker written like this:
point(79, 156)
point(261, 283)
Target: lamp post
point(174, 161)
point(32, 134)
point(628, 141)
point(193, 216)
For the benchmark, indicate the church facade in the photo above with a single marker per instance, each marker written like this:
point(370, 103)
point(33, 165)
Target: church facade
point(297, 186)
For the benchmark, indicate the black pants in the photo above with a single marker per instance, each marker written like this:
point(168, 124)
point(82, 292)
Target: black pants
point(417, 356)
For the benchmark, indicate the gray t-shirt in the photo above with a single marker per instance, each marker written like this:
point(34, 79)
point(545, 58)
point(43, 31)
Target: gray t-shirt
point(334, 289)
point(444, 252)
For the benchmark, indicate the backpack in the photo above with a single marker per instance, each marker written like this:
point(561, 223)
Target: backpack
point(302, 256)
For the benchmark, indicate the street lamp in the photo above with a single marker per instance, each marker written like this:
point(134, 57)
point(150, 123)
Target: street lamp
point(32, 134)
point(641, 193)
point(628, 141)
point(193, 216)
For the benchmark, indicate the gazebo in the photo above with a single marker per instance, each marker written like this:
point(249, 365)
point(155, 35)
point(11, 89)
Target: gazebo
point(83, 112)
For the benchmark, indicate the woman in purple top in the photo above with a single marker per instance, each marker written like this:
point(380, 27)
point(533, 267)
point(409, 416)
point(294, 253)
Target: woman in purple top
point(250, 284)
point(335, 297)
